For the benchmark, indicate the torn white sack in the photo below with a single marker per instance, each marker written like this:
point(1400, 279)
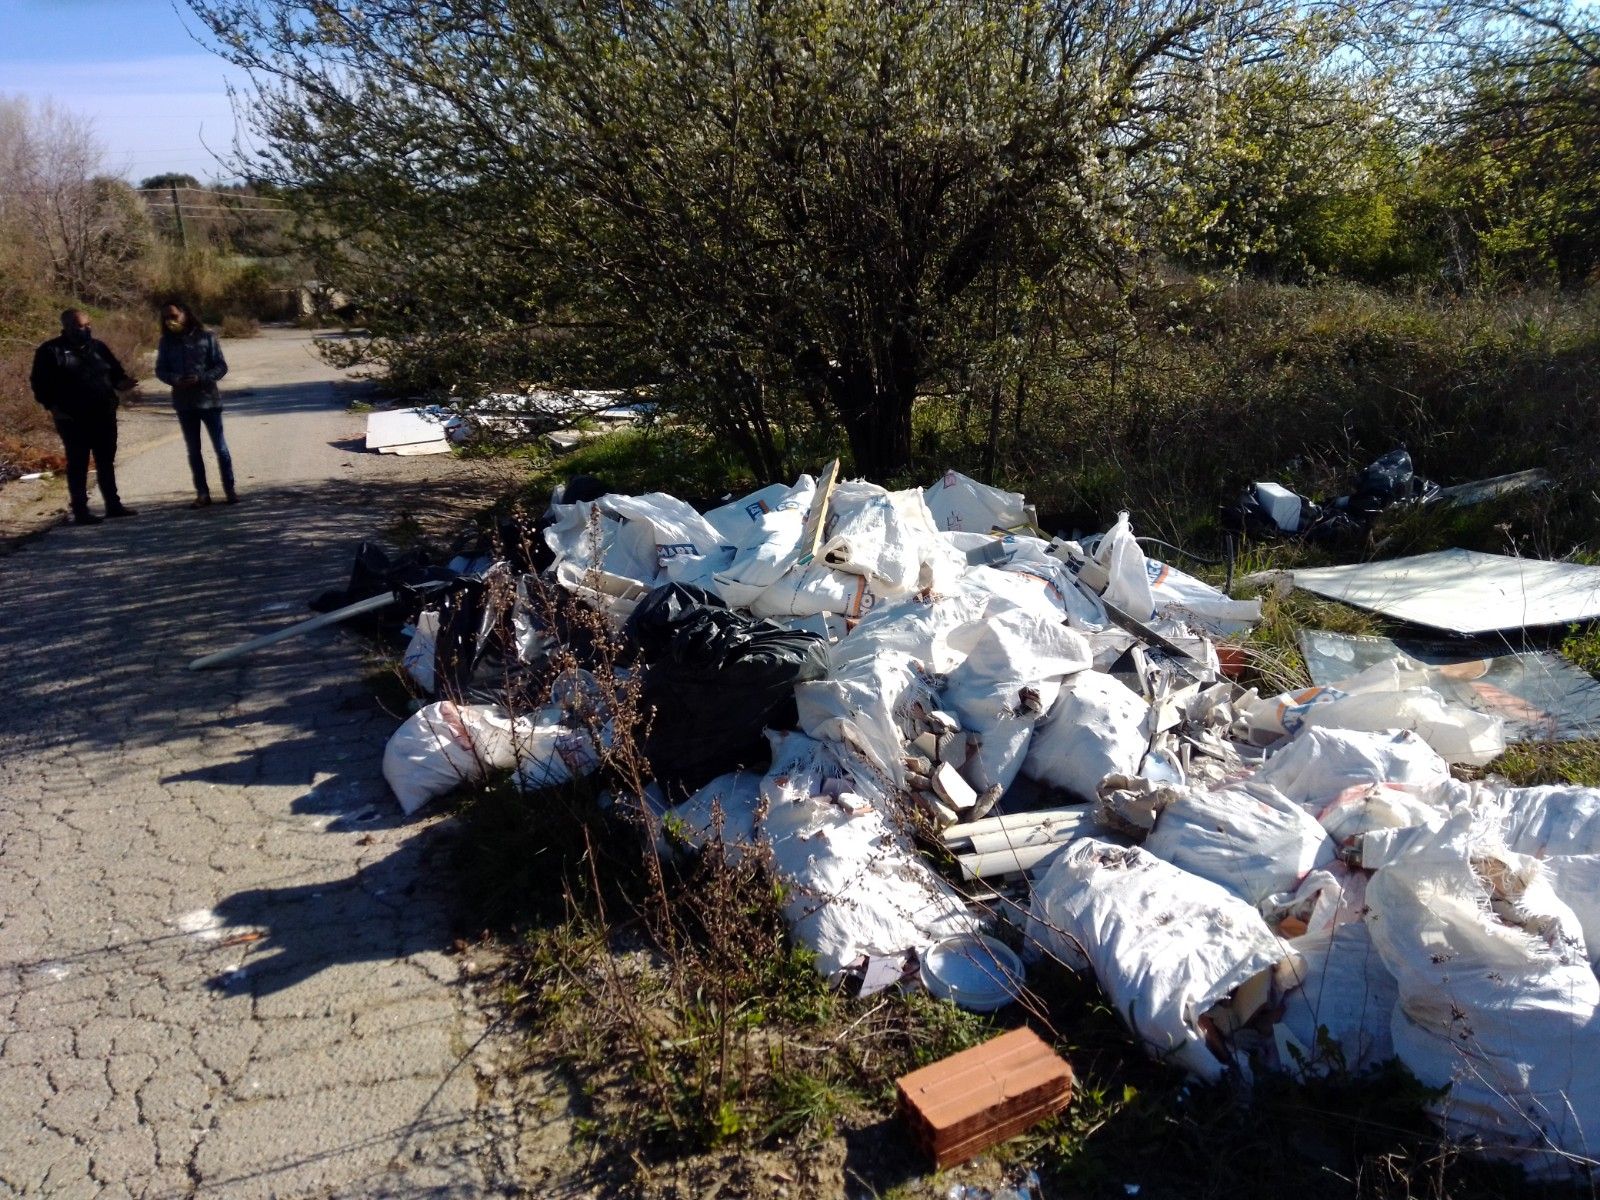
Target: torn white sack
point(1097, 727)
point(853, 887)
point(1496, 1001)
point(1546, 821)
point(1247, 838)
point(1387, 696)
point(1165, 945)
point(1317, 765)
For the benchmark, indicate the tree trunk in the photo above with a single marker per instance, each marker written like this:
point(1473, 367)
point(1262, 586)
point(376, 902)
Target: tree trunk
point(878, 425)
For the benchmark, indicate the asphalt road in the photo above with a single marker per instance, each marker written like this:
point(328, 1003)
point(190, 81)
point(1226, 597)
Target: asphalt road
point(224, 964)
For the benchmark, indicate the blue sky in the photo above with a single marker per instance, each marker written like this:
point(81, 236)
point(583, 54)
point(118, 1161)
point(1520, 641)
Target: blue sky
point(156, 99)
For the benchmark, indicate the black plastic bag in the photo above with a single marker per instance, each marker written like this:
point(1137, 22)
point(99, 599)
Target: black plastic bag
point(715, 679)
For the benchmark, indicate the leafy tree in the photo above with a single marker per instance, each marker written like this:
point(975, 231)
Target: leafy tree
point(1517, 158)
point(171, 179)
point(786, 213)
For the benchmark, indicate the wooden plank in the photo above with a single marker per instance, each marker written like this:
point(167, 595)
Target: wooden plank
point(816, 525)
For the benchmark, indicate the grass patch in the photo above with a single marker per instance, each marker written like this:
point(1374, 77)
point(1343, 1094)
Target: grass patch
point(677, 459)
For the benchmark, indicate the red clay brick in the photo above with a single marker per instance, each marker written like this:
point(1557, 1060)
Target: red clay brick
point(970, 1101)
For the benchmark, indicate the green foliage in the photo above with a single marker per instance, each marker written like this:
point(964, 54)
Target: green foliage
point(783, 216)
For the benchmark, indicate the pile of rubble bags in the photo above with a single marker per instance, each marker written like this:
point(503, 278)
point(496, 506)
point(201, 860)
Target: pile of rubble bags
point(1291, 882)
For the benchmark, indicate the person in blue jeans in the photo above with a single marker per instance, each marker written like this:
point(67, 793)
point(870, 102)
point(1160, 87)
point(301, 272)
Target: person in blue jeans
point(190, 361)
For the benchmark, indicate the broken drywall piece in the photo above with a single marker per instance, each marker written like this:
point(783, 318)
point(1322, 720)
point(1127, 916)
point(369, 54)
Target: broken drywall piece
point(1463, 591)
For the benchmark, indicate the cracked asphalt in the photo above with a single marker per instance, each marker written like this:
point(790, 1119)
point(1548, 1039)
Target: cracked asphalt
point(224, 964)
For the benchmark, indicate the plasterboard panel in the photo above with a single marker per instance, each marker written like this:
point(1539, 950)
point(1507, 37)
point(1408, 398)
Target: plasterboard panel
point(1463, 591)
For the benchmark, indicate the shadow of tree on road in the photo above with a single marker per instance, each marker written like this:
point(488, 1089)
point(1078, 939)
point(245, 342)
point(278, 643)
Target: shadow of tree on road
point(102, 621)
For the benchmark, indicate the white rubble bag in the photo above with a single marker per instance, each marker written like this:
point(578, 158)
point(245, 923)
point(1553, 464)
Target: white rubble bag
point(1318, 765)
point(960, 504)
point(1009, 678)
point(723, 810)
point(853, 887)
point(733, 520)
point(1248, 838)
point(1097, 727)
point(1369, 807)
point(417, 662)
point(879, 546)
point(552, 754)
point(768, 543)
point(1497, 998)
point(1165, 945)
point(1560, 819)
point(1389, 695)
point(1127, 578)
point(1576, 880)
point(887, 665)
point(1180, 596)
point(626, 550)
point(444, 745)
point(1339, 1018)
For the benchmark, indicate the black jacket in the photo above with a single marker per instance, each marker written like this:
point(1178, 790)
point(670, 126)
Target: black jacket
point(75, 380)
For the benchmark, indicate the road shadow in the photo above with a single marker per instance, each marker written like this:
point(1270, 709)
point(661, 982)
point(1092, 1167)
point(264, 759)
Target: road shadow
point(102, 621)
point(386, 910)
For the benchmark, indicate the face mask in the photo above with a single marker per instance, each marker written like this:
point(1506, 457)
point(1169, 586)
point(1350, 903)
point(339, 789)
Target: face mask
point(82, 335)
point(174, 325)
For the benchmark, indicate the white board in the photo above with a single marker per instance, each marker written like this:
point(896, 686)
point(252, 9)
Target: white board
point(1463, 591)
point(403, 427)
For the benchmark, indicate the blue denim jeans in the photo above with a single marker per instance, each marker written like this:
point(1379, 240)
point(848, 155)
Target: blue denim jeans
point(190, 420)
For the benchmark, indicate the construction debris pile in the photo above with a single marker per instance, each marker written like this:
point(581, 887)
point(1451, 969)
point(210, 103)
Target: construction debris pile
point(1257, 883)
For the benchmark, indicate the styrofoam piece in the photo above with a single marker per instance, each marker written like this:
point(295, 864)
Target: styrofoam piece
point(440, 447)
point(404, 427)
point(952, 789)
point(973, 971)
point(1282, 505)
point(1463, 591)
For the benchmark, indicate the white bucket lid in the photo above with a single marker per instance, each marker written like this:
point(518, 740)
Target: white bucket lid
point(974, 971)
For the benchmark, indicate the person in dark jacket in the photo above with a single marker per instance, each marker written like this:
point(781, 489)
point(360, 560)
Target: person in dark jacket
point(190, 361)
point(77, 378)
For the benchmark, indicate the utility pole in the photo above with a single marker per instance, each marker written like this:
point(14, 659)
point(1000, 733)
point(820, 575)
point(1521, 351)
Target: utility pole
point(177, 212)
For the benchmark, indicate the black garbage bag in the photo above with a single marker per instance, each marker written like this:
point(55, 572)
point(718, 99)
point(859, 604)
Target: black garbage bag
point(715, 679)
point(1390, 480)
point(373, 573)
